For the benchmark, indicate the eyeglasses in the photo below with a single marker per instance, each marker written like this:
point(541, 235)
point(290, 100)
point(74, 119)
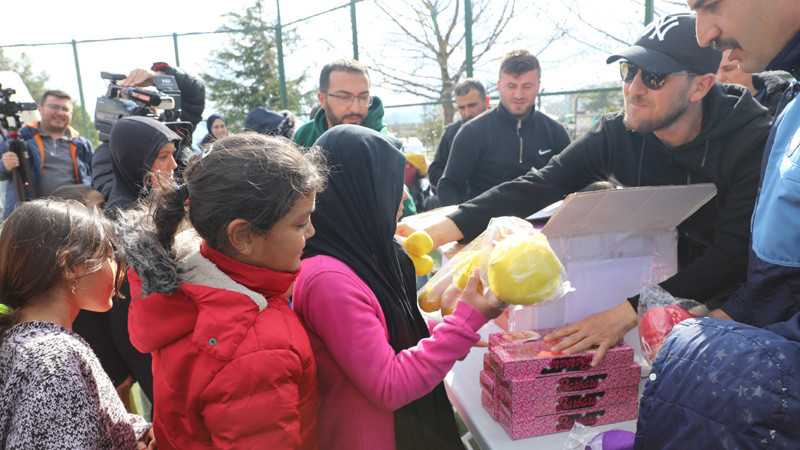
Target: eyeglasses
point(55, 107)
point(347, 99)
point(652, 81)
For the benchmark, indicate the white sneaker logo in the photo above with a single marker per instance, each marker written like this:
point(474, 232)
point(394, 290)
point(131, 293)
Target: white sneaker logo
point(544, 152)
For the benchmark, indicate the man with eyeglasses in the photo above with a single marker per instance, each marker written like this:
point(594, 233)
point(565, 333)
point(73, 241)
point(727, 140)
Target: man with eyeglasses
point(58, 155)
point(344, 97)
point(505, 142)
point(679, 127)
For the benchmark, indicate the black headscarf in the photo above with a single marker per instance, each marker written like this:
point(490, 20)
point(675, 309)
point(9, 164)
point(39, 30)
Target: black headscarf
point(210, 137)
point(135, 143)
point(355, 221)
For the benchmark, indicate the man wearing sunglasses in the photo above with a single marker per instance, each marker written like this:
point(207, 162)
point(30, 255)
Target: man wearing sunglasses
point(58, 155)
point(344, 97)
point(679, 127)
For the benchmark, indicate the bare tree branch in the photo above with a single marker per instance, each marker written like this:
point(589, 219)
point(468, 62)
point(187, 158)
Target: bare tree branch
point(431, 33)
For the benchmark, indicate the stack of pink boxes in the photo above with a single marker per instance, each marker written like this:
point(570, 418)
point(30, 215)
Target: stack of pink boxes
point(531, 391)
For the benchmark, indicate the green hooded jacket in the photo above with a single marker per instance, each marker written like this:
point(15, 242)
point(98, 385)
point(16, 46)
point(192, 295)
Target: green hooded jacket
point(309, 132)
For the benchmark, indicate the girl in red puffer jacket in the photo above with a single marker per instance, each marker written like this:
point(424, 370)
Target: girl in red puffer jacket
point(232, 364)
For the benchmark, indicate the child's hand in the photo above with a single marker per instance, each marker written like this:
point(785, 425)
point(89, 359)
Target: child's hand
point(488, 304)
point(147, 441)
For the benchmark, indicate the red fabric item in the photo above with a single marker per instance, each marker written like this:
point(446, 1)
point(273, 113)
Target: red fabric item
point(225, 374)
point(655, 325)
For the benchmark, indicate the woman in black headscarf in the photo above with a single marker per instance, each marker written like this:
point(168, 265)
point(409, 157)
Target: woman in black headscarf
point(142, 151)
point(217, 126)
point(380, 371)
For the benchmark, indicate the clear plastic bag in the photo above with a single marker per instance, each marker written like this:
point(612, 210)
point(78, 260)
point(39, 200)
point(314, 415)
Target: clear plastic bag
point(659, 311)
point(515, 262)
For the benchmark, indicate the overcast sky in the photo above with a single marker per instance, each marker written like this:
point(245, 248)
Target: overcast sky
point(567, 64)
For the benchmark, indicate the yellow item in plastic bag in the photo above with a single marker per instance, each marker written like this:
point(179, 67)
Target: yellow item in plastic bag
point(465, 268)
point(523, 269)
point(422, 264)
point(429, 302)
point(418, 243)
point(450, 299)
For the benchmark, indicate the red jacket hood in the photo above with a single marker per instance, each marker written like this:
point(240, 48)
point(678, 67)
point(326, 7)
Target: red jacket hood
point(219, 299)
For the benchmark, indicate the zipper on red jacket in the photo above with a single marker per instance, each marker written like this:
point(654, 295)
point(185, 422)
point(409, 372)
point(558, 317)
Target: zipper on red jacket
point(519, 127)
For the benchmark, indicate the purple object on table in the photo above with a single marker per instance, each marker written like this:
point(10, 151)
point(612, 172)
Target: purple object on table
point(612, 440)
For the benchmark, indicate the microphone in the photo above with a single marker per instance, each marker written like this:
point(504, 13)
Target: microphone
point(150, 98)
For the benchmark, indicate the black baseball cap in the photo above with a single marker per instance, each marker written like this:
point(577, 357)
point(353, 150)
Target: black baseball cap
point(669, 45)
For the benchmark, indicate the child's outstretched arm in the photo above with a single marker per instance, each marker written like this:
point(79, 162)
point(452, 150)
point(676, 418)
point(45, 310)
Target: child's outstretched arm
point(354, 331)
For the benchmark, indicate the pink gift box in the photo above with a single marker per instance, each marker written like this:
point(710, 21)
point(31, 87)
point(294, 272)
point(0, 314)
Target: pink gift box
point(490, 405)
point(532, 388)
point(513, 338)
point(518, 428)
point(488, 381)
point(534, 359)
point(520, 408)
point(487, 361)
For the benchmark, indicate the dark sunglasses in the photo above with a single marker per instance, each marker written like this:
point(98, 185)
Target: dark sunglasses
point(652, 81)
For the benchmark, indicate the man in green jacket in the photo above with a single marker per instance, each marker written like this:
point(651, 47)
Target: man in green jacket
point(345, 98)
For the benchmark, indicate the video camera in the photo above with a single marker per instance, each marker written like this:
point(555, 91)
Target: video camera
point(140, 102)
point(9, 109)
point(23, 179)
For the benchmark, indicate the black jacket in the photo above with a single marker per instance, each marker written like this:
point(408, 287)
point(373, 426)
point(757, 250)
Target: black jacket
point(770, 89)
point(496, 147)
point(713, 242)
point(436, 169)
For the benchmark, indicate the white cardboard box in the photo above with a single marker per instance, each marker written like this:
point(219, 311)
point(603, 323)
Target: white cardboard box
point(611, 244)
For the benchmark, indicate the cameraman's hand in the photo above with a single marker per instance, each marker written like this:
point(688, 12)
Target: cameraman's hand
point(10, 161)
point(139, 78)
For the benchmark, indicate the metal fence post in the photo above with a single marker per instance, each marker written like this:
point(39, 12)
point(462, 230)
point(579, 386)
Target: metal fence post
point(175, 45)
point(355, 30)
point(468, 34)
point(648, 12)
point(281, 74)
point(80, 81)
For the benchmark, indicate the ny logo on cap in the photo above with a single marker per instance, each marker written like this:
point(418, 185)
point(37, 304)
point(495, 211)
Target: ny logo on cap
point(661, 27)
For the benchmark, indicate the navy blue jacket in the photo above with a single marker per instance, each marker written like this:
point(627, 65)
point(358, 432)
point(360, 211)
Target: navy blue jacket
point(719, 384)
point(772, 291)
point(82, 160)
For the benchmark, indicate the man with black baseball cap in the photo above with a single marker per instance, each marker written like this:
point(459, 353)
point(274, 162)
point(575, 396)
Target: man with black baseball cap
point(679, 127)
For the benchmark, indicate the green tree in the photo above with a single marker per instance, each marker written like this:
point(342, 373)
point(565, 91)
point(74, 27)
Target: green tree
point(86, 129)
point(35, 82)
point(244, 74)
point(429, 37)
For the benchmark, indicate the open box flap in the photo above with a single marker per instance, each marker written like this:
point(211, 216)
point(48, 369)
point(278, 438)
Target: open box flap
point(628, 209)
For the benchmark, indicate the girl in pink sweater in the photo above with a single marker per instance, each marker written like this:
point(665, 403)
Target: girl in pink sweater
point(380, 371)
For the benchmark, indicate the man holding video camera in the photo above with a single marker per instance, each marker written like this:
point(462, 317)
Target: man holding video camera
point(57, 154)
point(193, 90)
point(191, 105)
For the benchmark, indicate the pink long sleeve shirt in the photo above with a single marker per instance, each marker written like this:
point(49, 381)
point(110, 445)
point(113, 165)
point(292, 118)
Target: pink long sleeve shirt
point(361, 379)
